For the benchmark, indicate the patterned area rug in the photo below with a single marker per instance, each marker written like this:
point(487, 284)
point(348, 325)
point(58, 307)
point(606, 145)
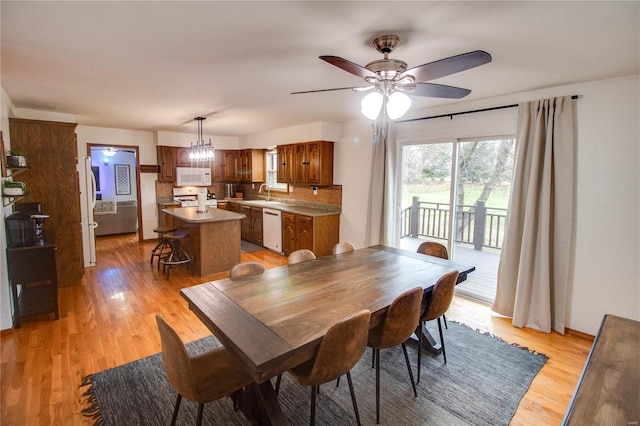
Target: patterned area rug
point(481, 384)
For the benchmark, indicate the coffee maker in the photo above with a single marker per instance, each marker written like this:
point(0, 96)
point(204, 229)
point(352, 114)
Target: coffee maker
point(25, 226)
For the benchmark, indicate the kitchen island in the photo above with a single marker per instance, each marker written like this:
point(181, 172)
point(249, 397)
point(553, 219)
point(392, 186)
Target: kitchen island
point(214, 237)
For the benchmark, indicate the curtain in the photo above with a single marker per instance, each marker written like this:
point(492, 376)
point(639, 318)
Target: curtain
point(535, 264)
point(381, 222)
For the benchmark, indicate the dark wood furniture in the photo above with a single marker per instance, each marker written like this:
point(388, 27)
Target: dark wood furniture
point(306, 163)
point(276, 321)
point(608, 392)
point(51, 149)
point(33, 279)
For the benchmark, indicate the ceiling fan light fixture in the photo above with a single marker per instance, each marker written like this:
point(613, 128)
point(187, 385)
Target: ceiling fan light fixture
point(371, 105)
point(397, 105)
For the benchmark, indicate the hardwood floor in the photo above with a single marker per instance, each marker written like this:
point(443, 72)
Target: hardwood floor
point(109, 320)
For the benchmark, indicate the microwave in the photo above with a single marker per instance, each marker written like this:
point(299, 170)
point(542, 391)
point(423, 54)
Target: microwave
point(193, 176)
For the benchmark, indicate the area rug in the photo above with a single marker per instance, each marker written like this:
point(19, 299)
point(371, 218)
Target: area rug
point(247, 247)
point(481, 384)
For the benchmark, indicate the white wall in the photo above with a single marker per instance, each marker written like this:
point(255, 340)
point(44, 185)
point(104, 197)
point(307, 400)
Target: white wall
point(6, 307)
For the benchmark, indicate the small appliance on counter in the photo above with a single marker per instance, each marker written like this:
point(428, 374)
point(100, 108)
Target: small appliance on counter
point(25, 226)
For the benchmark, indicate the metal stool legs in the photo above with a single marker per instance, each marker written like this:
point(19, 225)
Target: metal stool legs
point(177, 256)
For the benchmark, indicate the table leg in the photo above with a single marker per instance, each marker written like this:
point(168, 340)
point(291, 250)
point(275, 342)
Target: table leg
point(260, 404)
point(429, 344)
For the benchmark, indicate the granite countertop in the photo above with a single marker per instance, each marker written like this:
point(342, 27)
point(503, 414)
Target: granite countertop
point(190, 214)
point(307, 209)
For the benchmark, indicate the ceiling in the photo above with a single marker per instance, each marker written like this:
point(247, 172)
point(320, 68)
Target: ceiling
point(156, 65)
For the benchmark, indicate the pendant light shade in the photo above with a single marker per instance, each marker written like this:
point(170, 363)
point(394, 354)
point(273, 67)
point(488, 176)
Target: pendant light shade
point(397, 105)
point(371, 105)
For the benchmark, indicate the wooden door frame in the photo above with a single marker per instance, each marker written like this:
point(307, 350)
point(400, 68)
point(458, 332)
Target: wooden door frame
point(137, 174)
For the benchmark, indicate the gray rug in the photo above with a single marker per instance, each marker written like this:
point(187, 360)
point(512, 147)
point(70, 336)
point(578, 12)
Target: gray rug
point(248, 247)
point(481, 384)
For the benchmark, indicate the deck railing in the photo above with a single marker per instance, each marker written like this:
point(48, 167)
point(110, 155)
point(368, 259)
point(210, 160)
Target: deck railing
point(476, 225)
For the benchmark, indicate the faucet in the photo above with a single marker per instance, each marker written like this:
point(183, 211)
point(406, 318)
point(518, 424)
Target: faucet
point(268, 190)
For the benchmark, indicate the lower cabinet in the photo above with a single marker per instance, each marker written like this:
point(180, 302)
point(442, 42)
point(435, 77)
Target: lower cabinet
point(318, 234)
point(251, 226)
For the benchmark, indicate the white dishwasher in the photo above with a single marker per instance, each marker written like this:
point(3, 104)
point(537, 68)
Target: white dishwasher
point(272, 229)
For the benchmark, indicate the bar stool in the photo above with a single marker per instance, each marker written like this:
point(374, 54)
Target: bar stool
point(177, 256)
point(164, 247)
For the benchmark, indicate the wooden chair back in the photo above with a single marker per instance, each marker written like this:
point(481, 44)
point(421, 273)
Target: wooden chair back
point(246, 270)
point(432, 248)
point(301, 255)
point(343, 247)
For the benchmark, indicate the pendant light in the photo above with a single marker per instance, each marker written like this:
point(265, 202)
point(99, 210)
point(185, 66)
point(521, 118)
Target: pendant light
point(201, 150)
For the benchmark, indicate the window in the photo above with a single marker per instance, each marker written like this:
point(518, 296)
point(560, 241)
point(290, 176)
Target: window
point(271, 158)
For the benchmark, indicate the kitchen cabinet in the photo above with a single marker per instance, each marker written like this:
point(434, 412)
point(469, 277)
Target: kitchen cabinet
point(222, 205)
point(251, 165)
point(167, 160)
point(163, 218)
point(285, 163)
point(251, 225)
point(307, 163)
point(318, 234)
point(34, 290)
point(182, 157)
point(245, 165)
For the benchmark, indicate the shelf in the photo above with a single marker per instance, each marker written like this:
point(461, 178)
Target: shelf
point(15, 171)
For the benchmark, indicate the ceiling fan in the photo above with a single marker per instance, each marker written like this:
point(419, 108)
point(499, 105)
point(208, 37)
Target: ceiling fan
point(392, 76)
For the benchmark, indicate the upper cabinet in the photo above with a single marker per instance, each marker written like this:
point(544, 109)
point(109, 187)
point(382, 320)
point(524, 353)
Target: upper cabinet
point(308, 163)
point(182, 157)
point(239, 165)
point(167, 160)
point(285, 163)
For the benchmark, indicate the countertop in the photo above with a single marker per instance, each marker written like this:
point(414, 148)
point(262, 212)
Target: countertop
point(190, 214)
point(290, 207)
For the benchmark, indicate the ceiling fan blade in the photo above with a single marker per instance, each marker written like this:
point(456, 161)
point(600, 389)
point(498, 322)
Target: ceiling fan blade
point(349, 66)
point(448, 66)
point(358, 88)
point(435, 90)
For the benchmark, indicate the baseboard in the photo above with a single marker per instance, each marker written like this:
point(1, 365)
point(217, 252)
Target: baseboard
point(580, 334)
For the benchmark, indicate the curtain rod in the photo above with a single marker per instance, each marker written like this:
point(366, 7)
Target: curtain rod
point(465, 112)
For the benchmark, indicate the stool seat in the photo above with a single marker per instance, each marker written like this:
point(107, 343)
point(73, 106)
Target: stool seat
point(177, 256)
point(164, 247)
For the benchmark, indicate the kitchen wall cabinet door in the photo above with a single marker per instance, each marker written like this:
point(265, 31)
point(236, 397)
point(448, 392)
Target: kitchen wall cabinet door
point(52, 180)
point(313, 163)
point(252, 165)
point(167, 160)
point(285, 163)
point(232, 166)
point(182, 157)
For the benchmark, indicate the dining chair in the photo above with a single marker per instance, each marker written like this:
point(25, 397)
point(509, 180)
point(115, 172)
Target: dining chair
point(434, 249)
point(201, 378)
point(398, 325)
point(438, 304)
point(343, 247)
point(246, 270)
point(301, 255)
point(340, 349)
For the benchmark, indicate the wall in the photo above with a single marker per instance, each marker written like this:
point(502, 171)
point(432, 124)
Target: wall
point(107, 178)
point(6, 309)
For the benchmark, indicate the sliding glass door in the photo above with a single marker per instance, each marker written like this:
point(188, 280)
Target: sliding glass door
point(457, 193)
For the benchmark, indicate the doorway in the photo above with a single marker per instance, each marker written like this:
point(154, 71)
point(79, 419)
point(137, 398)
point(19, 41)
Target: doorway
point(116, 209)
point(457, 193)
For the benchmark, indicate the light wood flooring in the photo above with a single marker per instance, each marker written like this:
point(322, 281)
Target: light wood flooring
point(109, 319)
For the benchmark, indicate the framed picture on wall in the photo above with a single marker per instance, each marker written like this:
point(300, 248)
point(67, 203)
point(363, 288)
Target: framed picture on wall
point(123, 180)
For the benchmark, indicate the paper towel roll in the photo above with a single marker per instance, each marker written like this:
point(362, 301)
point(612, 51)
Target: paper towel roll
point(202, 201)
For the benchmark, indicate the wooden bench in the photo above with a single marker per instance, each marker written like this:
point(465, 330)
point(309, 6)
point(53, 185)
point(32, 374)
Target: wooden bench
point(608, 392)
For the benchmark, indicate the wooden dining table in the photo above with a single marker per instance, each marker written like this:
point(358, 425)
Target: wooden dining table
point(275, 321)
